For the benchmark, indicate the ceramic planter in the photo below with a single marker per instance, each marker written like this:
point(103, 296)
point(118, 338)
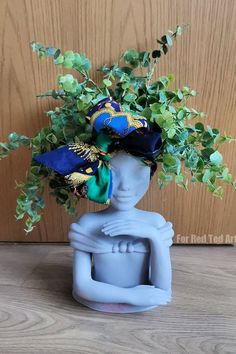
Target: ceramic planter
point(121, 254)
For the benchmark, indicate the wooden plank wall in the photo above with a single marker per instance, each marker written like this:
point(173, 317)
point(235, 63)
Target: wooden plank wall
point(203, 58)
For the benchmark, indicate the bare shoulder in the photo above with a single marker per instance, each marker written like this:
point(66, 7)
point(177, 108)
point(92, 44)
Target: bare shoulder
point(85, 219)
point(156, 219)
point(90, 221)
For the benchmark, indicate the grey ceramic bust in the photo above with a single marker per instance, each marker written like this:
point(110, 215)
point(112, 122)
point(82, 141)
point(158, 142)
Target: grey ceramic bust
point(122, 254)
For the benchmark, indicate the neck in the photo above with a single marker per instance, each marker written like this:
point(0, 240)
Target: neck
point(121, 212)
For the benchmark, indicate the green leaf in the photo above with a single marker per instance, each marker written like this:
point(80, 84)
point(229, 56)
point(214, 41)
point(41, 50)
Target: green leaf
point(180, 94)
point(146, 113)
point(107, 82)
point(164, 177)
point(180, 114)
point(179, 179)
point(155, 107)
point(51, 138)
point(69, 54)
point(206, 175)
point(126, 85)
point(68, 64)
point(216, 158)
point(179, 30)
point(226, 176)
point(199, 126)
point(193, 93)
point(68, 83)
point(81, 62)
point(207, 152)
point(169, 40)
point(162, 97)
point(59, 60)
point(163, 39)
point(144, 58)
point(171, 133)
point(130, 97)
point(171, 163)
point(165, 49)
point(131, 56)
point(156, 54)
point(218, 192)
point(57, 53)
point(169, 160)
point(86, 98)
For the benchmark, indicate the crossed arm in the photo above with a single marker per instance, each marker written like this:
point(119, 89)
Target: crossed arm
point(157, 293)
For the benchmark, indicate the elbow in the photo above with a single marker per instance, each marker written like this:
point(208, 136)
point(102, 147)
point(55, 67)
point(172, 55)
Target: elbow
point(82, 280)
point(83, 289)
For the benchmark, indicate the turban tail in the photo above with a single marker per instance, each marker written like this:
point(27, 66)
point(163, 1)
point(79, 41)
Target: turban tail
point(86, 167)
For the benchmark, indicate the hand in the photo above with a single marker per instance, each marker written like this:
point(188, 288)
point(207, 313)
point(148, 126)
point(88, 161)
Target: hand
point(129, 227)
point(140, 229)
point(165, 234)
point(148, 295)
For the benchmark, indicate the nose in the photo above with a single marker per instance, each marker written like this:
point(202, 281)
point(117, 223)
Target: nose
point(124, 184)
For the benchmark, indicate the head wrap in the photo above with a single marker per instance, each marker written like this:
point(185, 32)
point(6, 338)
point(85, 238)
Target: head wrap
point(86, 167)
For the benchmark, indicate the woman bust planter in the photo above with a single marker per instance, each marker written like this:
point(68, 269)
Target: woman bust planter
point(103, 143)
point(121, 257)
point(121, 254)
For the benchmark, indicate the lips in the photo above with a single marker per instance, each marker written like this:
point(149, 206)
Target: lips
point(123, 196)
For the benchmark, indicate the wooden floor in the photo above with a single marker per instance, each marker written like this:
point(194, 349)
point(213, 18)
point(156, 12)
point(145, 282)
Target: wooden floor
point(38, 314)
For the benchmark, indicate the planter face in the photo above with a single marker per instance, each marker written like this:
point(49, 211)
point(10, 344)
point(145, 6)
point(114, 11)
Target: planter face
point(120, 264)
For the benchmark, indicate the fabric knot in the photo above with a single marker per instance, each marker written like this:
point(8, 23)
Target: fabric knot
point(87, 164)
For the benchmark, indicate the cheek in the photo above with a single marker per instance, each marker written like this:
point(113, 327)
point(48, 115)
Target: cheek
point(139, 180)
point(114, 178)
point(142, 184)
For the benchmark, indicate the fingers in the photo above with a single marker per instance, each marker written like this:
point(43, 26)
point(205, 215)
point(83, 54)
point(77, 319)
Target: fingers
point(168, 235)
point(168, 225)
point(114, 222)
point(118, 223)
point(114, 229)
point(117, 227)
point(144, 286)
point(169, 243)
point(74, 227)
point(158, 296)
point(149, 294)
point(167, 232)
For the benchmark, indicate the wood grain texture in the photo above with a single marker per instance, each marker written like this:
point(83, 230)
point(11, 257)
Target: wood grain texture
point(38, 314)
point(203, 58)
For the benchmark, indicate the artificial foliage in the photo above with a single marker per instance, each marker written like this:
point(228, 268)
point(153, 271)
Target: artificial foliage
point(190, 151)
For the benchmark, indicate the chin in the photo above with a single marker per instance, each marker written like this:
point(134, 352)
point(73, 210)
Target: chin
point(124, 205)
point(121, 206)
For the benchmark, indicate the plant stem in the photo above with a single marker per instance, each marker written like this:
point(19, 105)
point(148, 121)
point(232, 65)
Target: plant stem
point(95, 85)
point(151, 72)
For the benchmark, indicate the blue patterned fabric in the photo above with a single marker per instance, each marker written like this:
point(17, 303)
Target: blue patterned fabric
point(86, 166)
point(65, 161)
point(108, 114)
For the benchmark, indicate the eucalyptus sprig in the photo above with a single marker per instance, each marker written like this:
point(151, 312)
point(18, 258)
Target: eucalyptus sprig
point(190, 151)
